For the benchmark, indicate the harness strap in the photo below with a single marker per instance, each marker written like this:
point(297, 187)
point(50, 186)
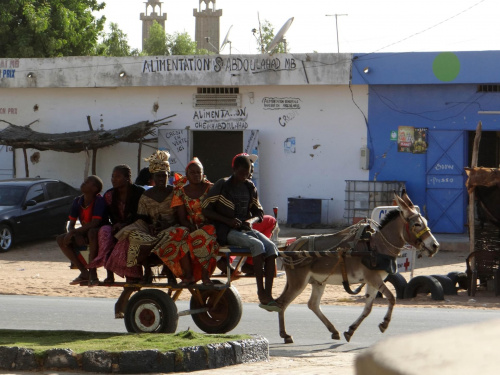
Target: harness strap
point(345, 281)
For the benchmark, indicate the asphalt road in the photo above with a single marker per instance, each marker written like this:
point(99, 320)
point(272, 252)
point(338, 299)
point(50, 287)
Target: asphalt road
point(96, 314)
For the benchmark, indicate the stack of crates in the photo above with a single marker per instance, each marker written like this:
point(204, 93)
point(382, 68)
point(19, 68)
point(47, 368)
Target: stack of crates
point(361, 197)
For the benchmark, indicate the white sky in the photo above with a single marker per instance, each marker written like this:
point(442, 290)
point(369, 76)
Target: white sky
point(370, 25)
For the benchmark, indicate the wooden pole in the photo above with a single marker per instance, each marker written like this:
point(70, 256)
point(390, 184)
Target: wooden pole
point(26, 168)
point(472, 195)
point(94, 161)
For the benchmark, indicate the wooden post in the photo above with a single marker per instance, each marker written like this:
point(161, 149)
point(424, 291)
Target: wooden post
point(26, 168)
point(139, 152)
point(87, 162)
point(472, 195)
point(94, 161)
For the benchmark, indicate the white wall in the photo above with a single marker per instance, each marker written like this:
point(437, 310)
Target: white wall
point(328, 128)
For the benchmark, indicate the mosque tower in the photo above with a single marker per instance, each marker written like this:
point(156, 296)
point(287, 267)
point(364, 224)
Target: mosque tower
point(147, 20)
point(207, 31)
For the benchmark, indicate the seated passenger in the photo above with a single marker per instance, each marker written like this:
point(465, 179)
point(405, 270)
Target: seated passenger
point(90, 210)
point(122, 201)
point(188, 195)
point(233, 206)
point(188, 250)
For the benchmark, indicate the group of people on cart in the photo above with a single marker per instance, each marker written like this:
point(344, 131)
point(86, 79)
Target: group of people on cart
point(181, 225)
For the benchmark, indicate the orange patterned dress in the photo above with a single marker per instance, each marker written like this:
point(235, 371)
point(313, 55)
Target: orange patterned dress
point(202, 242)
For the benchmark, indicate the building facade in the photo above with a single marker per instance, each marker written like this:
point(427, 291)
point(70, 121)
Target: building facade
point(424, 109)
point(298, 112)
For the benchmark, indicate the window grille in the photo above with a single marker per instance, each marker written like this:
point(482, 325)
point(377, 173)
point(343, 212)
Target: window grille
point(488, 88)
point(217, 97)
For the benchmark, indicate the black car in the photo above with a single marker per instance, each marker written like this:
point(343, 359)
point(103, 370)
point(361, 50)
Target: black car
point(33, 208)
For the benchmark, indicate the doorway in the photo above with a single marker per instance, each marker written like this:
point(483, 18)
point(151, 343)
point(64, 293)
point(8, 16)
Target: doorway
point(488, 153)
point(216, 151)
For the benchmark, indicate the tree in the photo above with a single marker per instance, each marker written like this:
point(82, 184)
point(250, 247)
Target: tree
point(265, 35)
point(43, 28)
point(156, 44)
point(115, 44)
point(181, 44)
point(159, 43)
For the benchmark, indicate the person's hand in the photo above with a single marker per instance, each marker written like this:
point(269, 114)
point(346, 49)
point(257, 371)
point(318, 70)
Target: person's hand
point(80, 241)
point(234, 223)
point(67, 239)
point(246, 225)
point(117, 227)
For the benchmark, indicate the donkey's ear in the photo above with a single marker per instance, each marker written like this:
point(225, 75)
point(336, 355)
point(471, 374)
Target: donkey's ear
point(407, 199)
point(405, 209)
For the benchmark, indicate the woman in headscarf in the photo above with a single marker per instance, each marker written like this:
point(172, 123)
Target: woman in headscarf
point(158, 218)
point(189, 191)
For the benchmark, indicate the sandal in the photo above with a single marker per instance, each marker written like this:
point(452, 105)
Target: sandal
point(208, 282)
point(186, 282)
point(109, 280)
point(79, 280)
point(93, 282)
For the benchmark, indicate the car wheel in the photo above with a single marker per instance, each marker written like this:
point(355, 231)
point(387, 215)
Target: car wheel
point(6, 238)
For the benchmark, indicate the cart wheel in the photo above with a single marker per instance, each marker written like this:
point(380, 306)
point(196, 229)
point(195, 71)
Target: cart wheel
point(224, 317)
point(151, 311)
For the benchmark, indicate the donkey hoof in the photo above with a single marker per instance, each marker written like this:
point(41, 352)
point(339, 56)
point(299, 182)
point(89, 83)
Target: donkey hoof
point(335, 336)
point(289, 340)
point(347, 336)
point(382, 327)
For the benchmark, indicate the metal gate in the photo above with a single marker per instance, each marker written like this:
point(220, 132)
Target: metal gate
point(445, 175)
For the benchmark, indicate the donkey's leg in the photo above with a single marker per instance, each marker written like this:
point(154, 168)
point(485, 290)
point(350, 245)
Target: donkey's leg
point(371, 293)
point(314, 305)
point(296, 281)
point(391, 301)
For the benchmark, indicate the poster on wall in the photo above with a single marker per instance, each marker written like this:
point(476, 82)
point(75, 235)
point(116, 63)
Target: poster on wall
point(413, 140)
point(420, 141)
point(405, 138)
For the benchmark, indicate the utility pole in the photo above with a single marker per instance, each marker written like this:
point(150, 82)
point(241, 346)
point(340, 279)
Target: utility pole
point(336, 26)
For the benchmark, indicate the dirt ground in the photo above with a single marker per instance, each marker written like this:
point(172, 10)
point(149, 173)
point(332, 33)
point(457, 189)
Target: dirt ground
point(39, 268)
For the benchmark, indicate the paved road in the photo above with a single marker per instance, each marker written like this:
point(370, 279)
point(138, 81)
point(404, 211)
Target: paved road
point(96, 314)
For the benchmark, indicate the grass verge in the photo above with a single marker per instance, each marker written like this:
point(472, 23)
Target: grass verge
point(81, 341)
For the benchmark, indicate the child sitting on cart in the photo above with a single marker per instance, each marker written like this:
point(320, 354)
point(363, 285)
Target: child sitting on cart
point(90, 210)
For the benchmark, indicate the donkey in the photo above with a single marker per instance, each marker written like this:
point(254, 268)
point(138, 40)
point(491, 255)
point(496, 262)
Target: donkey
point(354, 255)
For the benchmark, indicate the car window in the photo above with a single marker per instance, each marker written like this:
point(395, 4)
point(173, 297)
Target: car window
point(59, 189)
point(36, 193)
point(11, 195)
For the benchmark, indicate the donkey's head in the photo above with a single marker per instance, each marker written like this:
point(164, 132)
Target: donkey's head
point(416, 232)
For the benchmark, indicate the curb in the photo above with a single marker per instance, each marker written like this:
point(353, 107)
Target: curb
point(194, 358)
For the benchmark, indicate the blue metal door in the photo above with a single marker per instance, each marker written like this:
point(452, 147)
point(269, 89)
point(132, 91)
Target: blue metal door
point(446, 193)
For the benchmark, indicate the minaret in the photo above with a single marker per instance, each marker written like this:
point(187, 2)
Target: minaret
point(207, 31)
point(147, 20)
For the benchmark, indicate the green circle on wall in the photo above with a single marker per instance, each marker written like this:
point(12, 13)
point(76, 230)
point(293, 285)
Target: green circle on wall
point(446, 66)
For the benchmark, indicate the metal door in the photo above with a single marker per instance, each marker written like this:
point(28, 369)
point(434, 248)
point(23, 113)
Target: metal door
point(445, 175)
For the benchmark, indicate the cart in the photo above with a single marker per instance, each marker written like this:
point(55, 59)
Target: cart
point(214, 309)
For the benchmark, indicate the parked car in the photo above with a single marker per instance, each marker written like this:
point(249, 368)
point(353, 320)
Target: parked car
point(32, 208)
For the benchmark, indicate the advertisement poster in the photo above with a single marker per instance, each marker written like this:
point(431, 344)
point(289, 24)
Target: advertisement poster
point(420, 142)
point(413, 140)
point(405, 138)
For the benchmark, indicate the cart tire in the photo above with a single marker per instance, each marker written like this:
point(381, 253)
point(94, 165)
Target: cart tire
point(399, 283)
point(424, 284)
point(224, 317)
point(448, 285)
point(151, 311)
point(459, 279)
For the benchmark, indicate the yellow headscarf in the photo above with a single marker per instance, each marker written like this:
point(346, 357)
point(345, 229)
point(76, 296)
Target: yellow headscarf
point(158, 162)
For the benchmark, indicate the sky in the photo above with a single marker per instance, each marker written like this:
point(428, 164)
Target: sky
point(364, 26)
